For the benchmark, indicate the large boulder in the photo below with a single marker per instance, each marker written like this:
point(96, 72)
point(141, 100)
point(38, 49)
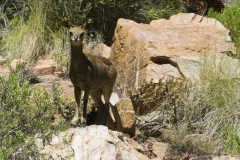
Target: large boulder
point(93, 142)
point(166, 49)
point(124, 117)
point(98, 49)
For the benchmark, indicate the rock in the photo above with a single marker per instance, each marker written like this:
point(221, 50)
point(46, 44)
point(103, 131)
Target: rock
point(65, 85)
point(154, 122)
point(135, 144)
point(202, 158)
point(45, 67)
point(98, 49)
point(59, 147)
point(155, 116)
point(125, 117)
point(166, 49)
point(17, 62)
point(147, 147)
point(160, 148)
point(116, 95)
point(93, 142)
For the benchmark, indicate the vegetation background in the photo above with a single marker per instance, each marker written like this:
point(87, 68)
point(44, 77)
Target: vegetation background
point(209, 106)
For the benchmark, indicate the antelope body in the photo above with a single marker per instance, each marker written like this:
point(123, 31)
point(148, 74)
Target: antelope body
point(95, 75)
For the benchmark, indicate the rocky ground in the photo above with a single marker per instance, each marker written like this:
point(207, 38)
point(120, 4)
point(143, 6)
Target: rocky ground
point(139, 55)
point(101, 141)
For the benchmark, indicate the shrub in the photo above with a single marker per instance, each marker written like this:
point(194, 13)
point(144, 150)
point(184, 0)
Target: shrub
point(229, 18)
point(24, 112)
point(164, 9)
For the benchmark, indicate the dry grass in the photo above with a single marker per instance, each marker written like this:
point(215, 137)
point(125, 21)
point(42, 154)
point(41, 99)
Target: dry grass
point(31, 38)
point(26, 39)
point(205, 106)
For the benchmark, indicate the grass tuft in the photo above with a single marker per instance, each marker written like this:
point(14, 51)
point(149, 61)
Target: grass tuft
point(205, 106)
point(26, 39)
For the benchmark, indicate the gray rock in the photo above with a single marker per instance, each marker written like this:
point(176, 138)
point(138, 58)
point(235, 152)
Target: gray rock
point(93, 142)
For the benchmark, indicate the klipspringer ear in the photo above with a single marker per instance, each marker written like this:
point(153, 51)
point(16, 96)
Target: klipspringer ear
point(88, 23)
point(66, 22)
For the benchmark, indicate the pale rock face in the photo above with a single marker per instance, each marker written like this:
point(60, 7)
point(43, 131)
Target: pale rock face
point(45, 67)
point(166, 49)
point(92, 142)
point(98, 49)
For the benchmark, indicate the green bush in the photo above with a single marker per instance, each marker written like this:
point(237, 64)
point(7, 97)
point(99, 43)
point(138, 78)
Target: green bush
point(230, 19)
point(232, 142)
point(163, 9)
point(24, 112)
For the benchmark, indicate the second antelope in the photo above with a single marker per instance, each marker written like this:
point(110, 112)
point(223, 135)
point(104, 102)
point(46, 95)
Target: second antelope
point(95, 75)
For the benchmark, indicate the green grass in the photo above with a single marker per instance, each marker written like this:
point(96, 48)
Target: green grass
point(232, 142)
point(26, 39)
point(230, 19)
point(34, 36)
point(220, 89)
